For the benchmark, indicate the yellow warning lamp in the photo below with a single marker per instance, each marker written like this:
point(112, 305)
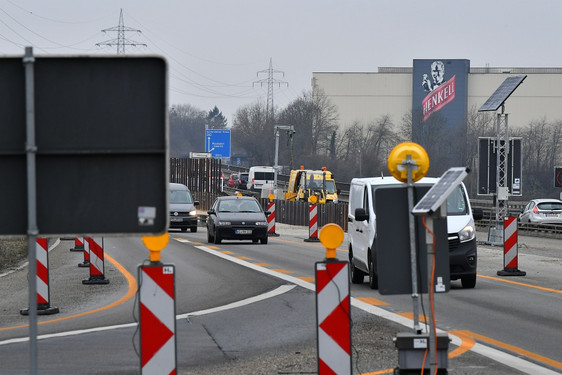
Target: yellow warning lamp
point(271, 197)
point(238, 194)
point(398, 162)
point(312, 199)
point(302, 167)
point(156, 244)
point(331, 236)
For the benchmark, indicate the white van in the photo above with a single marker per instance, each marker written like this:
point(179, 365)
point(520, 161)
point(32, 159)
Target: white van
point(261, 177)
point(362, 230)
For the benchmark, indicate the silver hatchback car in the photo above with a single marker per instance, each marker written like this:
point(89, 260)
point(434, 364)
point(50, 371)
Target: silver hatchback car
point(542, 211)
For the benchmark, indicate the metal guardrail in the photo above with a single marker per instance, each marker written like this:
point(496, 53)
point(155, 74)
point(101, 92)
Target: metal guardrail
point(514, 209)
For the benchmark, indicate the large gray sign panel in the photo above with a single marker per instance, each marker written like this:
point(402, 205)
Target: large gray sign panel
point(101, 133)
point(393, 243)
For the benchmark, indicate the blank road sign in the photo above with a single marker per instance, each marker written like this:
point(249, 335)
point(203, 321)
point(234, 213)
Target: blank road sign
point(101, 133)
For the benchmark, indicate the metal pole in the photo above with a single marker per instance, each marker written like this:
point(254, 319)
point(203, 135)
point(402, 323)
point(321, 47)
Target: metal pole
point(430, 291)
point(276, 161)
point(413, 257)
point(32, 231)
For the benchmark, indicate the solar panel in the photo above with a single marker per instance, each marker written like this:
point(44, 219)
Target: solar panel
point(439, 192)
point(502, 93)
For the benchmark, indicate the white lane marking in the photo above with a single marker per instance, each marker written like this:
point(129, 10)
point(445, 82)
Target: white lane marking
point(489, 352)
point(275, 292)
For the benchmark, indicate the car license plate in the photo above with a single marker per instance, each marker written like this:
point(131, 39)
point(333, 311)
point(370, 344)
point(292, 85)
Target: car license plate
point(243, 231)
point(176, 219)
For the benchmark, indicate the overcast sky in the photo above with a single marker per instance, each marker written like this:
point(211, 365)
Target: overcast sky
point(215, 48)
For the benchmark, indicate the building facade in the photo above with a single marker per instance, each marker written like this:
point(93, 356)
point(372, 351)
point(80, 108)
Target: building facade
point(364, 97)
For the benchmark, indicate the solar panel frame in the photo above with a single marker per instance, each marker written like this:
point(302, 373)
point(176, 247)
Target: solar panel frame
point(439, 192)
point(502, 93)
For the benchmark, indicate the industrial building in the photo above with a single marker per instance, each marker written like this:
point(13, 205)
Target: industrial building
point(366, 96)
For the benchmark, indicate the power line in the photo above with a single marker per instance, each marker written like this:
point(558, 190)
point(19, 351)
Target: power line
point(270, 82)
point(121, 41)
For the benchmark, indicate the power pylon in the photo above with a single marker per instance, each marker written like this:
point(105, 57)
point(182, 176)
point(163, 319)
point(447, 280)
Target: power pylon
point(270, 82)
point(121, 41)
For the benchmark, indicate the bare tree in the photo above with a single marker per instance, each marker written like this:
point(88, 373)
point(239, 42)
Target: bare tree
point(187, 130)
point(252, 133)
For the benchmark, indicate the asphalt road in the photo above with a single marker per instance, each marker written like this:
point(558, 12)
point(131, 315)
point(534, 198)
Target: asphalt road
point(273, 336)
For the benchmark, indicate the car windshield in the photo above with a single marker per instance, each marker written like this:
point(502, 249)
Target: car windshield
point(550, 206)
point(233, 205)
point(180, 197)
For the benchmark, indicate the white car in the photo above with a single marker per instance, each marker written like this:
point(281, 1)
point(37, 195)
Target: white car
point(542, 211)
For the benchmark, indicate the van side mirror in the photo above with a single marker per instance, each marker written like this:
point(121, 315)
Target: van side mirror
point(196, 203)
point(361, 215)
point(211, 211)
point(477, 213)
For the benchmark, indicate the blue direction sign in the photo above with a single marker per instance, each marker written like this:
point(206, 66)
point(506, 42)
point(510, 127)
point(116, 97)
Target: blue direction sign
point(217, 142)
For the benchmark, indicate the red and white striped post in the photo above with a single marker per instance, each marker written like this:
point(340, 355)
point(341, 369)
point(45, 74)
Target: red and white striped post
point(157, 319)
point(86, 262)
point(157, 311)
point(78, 244)
point(510, 248)
point(312, 223)
point(333, 307)
point(271, 218)
point(97, 267)
point(42, 280)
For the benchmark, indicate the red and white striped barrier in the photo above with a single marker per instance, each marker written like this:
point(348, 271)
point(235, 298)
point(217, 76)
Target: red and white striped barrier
point(42, 280)
point(86, 262)
point(271, 219)
point(510, 248)
point(78, 244)
point(97, 267)
point(333, 318)
point(157, 321)
point(312, 223)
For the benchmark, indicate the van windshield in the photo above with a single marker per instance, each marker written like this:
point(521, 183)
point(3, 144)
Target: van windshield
point(180, 197)
point(456, 202)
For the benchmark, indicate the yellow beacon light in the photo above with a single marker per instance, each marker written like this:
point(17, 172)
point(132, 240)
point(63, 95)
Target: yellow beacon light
point(398, 161)
point(331, 236)
point(155, 244)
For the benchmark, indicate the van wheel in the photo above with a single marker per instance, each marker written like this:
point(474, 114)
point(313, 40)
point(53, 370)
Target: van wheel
point(373, 280)
point(263, 240)
point(357, 276)
point(468, 282)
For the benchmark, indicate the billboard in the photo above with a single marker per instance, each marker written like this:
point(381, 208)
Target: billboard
point(439, 110)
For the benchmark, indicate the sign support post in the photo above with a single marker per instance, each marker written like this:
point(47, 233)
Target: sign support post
point(32, 231)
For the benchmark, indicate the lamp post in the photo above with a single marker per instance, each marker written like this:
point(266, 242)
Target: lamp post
point(290, 130)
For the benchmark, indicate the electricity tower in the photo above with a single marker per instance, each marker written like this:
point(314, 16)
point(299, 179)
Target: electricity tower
point(270, 80)
point(121, 41)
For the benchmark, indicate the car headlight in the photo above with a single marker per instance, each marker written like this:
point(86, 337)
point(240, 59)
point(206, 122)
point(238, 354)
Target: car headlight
point(193, 213)
point(467, 233)
point(258, 223)
point(221, 223)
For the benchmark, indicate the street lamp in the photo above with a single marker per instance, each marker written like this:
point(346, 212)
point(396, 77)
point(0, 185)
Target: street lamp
point(290, 130)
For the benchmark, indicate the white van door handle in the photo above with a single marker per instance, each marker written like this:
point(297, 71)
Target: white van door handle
point(359, 230)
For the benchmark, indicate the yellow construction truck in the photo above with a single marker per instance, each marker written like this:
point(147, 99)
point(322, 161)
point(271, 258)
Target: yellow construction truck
point(306, 183)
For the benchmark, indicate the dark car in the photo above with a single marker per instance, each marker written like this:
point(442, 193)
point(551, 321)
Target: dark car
point(542, 211)
point(242, 182)
point(182, 208)
point(236, 218)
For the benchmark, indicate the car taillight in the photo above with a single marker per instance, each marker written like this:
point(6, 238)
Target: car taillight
point(535, 210)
